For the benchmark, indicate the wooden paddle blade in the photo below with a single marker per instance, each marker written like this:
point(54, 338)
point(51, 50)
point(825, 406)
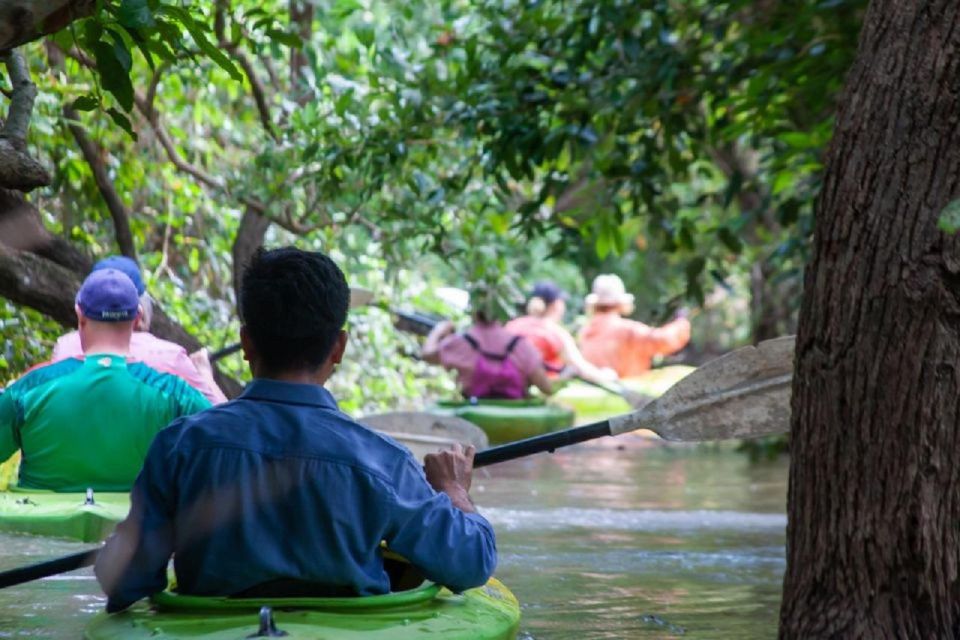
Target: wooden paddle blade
point(743, 394)
point(636, 399)
point(424, 433)
point(360, 297)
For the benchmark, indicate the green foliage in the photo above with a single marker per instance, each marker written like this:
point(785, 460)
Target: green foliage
point(491, 143)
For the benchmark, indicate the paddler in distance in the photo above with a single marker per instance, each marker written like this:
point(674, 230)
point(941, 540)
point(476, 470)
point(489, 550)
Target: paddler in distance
point(626, 346)
point(277, 492)
point(490, 361)
point(160, 354)
point(87, 422)
point(542, 326)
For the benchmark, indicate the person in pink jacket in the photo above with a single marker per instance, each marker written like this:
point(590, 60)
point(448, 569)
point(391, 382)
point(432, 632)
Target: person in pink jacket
point(162, 355)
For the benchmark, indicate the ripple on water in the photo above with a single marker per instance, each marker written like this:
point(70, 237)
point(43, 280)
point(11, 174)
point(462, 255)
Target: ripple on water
point(632, 520)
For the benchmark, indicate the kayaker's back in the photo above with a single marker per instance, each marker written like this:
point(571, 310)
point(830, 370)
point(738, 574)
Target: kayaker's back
point(279, 485)
point(88, 423)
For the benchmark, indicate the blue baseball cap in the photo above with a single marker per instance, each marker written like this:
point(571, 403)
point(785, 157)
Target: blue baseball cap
point(548, 292)
point(127, 266)
point(108, 295)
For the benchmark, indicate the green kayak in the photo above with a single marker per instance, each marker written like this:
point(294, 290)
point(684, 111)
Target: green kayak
point(591, 403)
point(508, 420)
point(62, 515)
point(487, 613)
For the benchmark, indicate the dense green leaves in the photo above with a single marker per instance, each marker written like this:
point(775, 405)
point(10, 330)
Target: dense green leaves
point(113, 74)
point(677, 143)
point(136, 14)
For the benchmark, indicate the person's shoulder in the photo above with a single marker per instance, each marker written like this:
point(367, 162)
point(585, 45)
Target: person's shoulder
point(43, 373)
point(517, 324)
point(374, 451)
point(147, 342)
point(164, 382)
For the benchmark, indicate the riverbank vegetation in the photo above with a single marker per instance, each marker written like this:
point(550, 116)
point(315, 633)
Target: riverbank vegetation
point(663, 141)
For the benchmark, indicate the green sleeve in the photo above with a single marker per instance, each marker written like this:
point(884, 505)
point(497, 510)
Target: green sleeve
point(192, 401)
point(9, 422)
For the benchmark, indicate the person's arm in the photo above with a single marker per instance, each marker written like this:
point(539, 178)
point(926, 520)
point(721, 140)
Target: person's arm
point(133, 561)
point(539, 378)
point(572, 356)
point(440, 533)
point(530, 362)
point(198, 372)
point(431, 346)
point(664, 340)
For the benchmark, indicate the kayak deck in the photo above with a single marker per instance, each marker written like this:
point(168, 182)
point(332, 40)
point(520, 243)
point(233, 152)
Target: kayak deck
point(487, 613)
point(508, 420)
point(62, 515)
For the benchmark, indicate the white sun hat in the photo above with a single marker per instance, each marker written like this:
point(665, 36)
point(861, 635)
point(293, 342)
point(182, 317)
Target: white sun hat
point(608, 291)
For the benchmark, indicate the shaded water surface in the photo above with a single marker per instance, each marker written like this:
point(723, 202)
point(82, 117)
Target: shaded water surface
point(647, 542)
point(596, 542)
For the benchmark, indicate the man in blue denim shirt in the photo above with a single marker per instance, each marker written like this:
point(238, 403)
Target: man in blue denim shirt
point(278, 488)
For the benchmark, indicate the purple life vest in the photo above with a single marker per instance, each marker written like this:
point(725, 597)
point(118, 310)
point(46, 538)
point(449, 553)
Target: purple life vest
point(495, 375)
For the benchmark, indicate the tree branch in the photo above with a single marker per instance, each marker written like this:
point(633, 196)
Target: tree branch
point(24, 94)
point(301, 15)
point(18, 170)
point(118, 211)
point(28, 20)
point(256, 86)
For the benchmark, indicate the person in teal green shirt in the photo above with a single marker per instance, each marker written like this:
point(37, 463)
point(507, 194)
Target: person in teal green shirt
point(88, 423)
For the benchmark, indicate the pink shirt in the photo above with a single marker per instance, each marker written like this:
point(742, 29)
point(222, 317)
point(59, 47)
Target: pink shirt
point(456, 353)
point(162, 355)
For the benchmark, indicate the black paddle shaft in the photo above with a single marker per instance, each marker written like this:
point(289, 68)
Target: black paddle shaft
point(540, 444)
point(223, 353)
point(49, 568)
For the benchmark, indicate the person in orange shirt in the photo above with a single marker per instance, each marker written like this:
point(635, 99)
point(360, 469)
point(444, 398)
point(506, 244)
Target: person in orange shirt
point(541, 326)
point(626, 346)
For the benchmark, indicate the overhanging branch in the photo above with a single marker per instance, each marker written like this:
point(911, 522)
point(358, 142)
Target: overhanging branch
point(18, 170)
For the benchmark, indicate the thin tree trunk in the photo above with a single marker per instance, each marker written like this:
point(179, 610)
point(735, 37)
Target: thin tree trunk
point(873, 540)
point(118, 211)
point(253, 228)
point(301, 16)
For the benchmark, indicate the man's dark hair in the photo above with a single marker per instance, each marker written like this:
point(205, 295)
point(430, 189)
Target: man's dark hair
point(293, 304)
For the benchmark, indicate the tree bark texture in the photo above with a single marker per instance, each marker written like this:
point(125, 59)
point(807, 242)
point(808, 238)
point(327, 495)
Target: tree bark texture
point(874, 496)
point(23, 21)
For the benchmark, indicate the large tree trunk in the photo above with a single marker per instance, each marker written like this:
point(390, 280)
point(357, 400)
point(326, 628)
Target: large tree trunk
point(873, 540)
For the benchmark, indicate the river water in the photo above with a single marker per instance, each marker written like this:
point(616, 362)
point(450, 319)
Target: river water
point(597, 542)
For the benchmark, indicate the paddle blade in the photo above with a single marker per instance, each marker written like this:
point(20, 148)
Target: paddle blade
point(743, 394)
point(424, 433)
point(360, 297)
point(636, 399)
